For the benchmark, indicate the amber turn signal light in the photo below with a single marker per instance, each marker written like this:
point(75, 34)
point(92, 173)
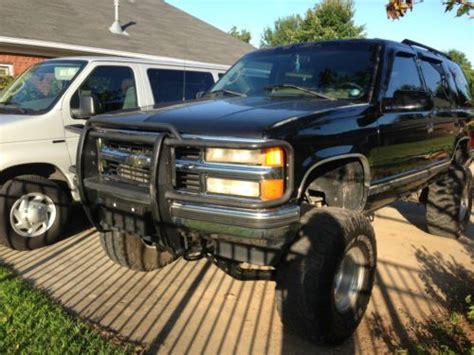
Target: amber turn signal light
point(272, 189)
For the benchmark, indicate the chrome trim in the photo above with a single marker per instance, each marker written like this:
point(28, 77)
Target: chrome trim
point(391, 182)
point(262, 219)
point(127, 158)
point(223, 139)
point(236, 170)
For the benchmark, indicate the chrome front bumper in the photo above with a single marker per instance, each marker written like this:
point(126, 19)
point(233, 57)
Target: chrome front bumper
point(259, 227)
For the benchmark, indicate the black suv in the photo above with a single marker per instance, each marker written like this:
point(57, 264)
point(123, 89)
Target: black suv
point(275, 172)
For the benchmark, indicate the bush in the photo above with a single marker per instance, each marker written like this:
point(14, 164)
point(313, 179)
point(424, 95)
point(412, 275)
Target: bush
point(5, 81)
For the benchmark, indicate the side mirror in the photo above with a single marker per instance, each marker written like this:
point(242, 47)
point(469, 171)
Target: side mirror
point(406, 100)
point(87, 108)
point(200, 94)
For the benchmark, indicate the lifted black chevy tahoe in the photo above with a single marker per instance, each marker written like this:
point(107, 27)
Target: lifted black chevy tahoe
point(281, 165)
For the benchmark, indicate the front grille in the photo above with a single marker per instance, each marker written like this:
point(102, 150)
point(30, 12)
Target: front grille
point(188, 153)
point(189, 182)
point(125, 162)
point(126, 172)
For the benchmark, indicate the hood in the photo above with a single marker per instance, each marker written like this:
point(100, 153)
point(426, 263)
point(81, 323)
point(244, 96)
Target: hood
point(25, 128)
point(246, 117)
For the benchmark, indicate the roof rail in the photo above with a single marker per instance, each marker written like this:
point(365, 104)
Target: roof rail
point(416, 44)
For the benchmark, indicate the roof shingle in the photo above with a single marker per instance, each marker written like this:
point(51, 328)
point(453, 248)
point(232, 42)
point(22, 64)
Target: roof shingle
point(157, 28)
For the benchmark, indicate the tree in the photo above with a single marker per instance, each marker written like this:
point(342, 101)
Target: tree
point(398, 8)
point(330, 19)
point(243, 34)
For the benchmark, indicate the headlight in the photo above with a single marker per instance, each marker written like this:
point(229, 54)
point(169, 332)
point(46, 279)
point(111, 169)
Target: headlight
point(265, 157)
point(233, 187)
point(265, 189)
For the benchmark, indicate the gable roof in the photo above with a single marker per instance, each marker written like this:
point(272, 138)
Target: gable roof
point(156, 28)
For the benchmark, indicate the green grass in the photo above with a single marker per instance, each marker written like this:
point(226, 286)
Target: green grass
point(30, 323)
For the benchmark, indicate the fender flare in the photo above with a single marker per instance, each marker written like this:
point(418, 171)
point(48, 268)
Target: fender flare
point(354, 156)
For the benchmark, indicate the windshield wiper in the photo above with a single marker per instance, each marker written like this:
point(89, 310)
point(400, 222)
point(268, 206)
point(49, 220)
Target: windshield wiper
point(226, 92)
point(300, 88)
point(13, 106)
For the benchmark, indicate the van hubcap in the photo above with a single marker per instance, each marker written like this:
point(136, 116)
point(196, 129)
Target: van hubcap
point(32, 214)
point(349, 279)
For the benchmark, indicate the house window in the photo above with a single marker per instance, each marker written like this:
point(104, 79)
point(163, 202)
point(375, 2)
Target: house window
point(5, 70)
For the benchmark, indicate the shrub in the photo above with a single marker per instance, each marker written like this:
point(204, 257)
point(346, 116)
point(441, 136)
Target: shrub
point(4, 81)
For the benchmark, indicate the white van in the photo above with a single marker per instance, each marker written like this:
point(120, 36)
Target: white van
point(36, 151)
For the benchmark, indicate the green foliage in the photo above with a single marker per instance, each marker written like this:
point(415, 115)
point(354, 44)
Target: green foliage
point(243, 34)
point(4, 81)
point(470, 309)
point(461, 58)
point(398, 8)
point(31, 324)
point(330, 19)
point(462, 7)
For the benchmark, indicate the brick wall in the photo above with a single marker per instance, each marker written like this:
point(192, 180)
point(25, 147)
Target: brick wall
point(20, 62)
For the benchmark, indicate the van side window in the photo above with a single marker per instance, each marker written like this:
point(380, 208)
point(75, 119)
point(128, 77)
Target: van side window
point(436, 82)
point(168, 85)
point(113, 88)
point(196, 82)
point(404, 77)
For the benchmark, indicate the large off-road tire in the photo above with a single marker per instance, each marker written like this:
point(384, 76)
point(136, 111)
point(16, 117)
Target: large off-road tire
point(449, 202)
point(33, 212)
point(131, 251)
point(325, 283)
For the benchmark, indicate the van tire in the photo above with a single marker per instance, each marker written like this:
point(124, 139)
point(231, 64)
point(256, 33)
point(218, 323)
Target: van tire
point(308, 277)
point(38, 195)
point(449, 203)
point(131, 251)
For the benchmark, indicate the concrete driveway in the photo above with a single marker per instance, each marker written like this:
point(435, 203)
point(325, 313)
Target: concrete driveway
point(195, 307)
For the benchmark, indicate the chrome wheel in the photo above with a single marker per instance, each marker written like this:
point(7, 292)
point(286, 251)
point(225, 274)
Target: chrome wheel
point(349, 279)
point(32, 214)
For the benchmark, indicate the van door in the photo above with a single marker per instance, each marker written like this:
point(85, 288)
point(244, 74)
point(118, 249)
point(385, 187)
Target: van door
point(113, 88)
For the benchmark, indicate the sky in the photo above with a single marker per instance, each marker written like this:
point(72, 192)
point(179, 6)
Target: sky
point(428, 23)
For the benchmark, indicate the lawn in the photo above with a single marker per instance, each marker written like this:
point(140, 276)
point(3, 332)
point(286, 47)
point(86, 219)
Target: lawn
point(31, 323)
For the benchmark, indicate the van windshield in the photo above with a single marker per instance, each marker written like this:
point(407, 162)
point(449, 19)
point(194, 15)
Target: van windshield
point(40, 87)
point(324, 71)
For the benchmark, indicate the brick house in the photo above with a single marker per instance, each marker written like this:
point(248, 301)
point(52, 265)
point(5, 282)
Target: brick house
point(31, 31)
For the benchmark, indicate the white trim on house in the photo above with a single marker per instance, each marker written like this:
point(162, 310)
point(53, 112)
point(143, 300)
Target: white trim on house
point(35, 44)
point(8, 67)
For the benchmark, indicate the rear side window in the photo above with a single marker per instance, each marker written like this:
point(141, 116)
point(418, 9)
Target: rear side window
point(113, 88)
point(462, 86)
point(404, 76)
point(196, 82)
point(436, 83)
point(177, 85)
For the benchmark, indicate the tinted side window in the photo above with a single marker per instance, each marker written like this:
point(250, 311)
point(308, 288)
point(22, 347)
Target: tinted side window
point(112, 87)
point(404, 76)
point(461, 84)
point(434, 78)
point(166, 85)
point(197, 81)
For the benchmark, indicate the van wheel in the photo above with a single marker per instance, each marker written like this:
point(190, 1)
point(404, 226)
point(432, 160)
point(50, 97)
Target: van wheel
point(33, 212)
point(131, 251)
point(325, 282)
point(449, 202)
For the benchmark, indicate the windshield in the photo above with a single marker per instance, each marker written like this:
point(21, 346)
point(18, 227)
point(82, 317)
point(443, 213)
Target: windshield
point(38, 89)
point(337, 71)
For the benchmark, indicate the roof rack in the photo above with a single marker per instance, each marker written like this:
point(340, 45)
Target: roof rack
point(416, 44)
